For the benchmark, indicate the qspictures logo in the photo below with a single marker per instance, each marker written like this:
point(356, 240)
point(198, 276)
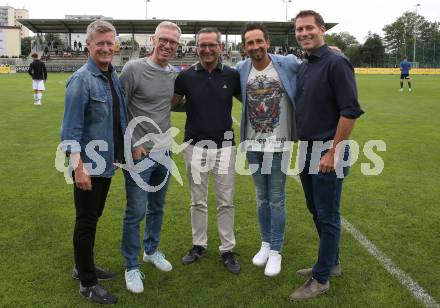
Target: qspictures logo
point(295, 156)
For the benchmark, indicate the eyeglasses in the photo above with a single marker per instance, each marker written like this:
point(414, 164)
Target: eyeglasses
point(209, 46)
point(164, 41)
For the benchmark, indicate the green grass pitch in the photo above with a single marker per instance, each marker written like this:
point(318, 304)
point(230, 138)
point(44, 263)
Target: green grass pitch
point(397, 210)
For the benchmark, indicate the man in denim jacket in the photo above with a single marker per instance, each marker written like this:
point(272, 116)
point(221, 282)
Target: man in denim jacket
point(94, 121)
point(268, 85)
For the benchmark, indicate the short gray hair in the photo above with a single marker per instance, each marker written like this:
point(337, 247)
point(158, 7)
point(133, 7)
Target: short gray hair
point(100, 26)
point(169, 25)
point(210, 30)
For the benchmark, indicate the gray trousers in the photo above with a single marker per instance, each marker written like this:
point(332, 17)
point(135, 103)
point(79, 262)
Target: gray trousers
point(220, 163)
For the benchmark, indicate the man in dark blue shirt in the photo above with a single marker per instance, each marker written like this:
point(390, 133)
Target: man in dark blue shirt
point(209, 87)
point(326, 110)
point(405, 66)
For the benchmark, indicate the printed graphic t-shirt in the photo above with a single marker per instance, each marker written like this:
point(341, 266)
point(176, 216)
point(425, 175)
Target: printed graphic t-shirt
point(269, 113)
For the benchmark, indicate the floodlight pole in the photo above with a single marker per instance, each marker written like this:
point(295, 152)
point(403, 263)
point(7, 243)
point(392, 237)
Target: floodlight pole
point(146, 8)
point(286, 2)
point(415, 34)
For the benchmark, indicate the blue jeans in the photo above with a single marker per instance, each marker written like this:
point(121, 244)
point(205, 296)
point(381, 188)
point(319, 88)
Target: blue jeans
point(142, 205)
point(270, 183)
point(323, 195)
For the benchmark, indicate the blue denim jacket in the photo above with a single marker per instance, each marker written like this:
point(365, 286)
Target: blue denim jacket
point(88, 116)
point(287, 67)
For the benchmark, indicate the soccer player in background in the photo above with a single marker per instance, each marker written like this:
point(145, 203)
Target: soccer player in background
point(405, 67)
point(38, 72)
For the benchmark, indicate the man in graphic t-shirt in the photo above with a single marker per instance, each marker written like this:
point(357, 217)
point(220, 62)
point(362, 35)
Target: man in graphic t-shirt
point(267, 127)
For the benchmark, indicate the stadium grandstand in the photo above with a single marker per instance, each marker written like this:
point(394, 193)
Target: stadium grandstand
point(68, 57)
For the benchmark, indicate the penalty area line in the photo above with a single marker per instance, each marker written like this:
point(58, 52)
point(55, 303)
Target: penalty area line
point(410, 284)
point(413, 287)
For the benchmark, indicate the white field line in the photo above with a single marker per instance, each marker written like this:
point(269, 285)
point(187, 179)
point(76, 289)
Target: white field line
point(416, 290)
point(392, 268)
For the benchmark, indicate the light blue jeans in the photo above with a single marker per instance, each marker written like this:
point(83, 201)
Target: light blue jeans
point(270, 183)
point(144, 205)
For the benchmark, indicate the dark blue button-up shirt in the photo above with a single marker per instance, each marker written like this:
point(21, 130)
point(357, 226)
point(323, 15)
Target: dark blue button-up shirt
point(326, 90)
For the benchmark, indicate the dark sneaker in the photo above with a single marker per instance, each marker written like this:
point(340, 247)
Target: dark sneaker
point(231, 262)
point(193, 254)
point(101, 273)
point(98, 294)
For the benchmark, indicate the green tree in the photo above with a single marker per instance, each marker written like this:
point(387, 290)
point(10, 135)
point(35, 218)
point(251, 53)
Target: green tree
point(52, 37)
point(372, 52)
point(342, 40)
point(130, 42)
point(399, 35)
point(26, 46)
point(353, 53)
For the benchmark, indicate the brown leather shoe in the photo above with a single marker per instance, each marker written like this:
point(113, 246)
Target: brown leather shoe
point(334, 272)
point(311, 289)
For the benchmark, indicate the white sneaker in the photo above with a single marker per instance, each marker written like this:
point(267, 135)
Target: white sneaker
point(261, 257)
point(401, 90)
point(158, 259)
point(273, 266)
point(409, 90)
point(133, 280)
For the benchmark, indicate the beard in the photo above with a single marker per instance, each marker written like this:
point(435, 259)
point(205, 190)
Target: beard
point(257, 55)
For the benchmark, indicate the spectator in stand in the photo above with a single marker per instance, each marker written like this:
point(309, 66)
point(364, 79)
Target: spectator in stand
point(80, 46)
point(46, 52)
point(38, 72)
point(75, 44)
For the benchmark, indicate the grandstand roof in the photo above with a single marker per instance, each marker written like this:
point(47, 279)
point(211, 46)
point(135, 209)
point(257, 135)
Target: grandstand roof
point(149, 25)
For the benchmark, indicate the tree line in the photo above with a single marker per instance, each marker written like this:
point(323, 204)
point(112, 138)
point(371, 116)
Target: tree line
point(388, 51)
point(397, 42)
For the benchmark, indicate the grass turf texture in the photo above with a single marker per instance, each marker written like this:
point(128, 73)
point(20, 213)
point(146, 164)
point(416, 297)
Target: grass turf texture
point(398, 211)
